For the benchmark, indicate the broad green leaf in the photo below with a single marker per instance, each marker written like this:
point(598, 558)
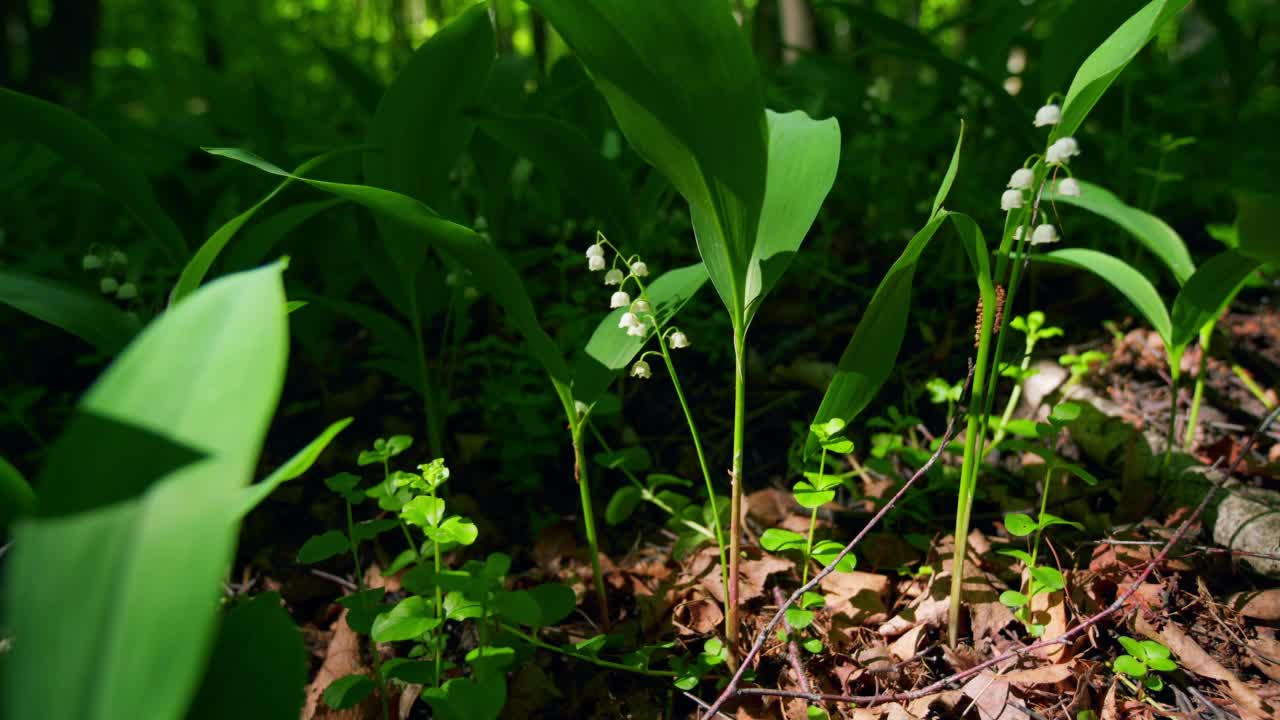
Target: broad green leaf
point(811, 497)
point(1022, 555)
point(263, 237)
point(295, 466)
point(410, 619)
point(1049, 520)
point(684, 88)
point(362, 85)
point(872, 352)
point(424, 511)
point(81, 144)
point(611, 350)
point(131, 642)
point(1019, 524)
point(88, 317)
point(1153, 650)
point(778, 540)
point(1121, 276)
point(825, 553)
point(1100, 69)
point(348, 691)
point(467, 699)
point(16, 497)
point(421, 672)
point(518, 606)
point(556, 602)
point(323, 546)
point(803, 156)
point(798, 618)
point(625, 500)
point(1013, 599)
point(198, 266)
point(1161, 664)
point(1208, 292)
point(1064, 412)
point(1048, 577)
point(491, 270)
point(1155, 234)
point(570, 160)
point(456, 530)
point(1130, 666)
point(421, 129)
point(258, 667)
point(489, 660)
point(1131, 646)
point(813, 712)
point(363, 608)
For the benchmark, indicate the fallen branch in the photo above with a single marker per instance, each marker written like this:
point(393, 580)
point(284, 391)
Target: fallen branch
point(793, 648)
point(952, 428)
point(1064, 639)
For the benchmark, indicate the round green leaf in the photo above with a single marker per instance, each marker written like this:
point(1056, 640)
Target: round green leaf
point(555, 602)
point(799, 619)
point(779, 540)
point(811, 497)
point(1131, 666)
point(1019, 524)
point(1013, 599)
point(623, 503)
point(347, 691)
point(323, 547)
point(410, 619)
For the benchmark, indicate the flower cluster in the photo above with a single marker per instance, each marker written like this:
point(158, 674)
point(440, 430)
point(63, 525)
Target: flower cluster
point(1057, 155)
point(638, 315)
point(109, 263)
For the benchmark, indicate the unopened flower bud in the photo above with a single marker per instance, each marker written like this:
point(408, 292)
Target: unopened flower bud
point(580, 407)
point(1011, 200)
point(619, 299)
point(1021, 179)
point(1048, 115)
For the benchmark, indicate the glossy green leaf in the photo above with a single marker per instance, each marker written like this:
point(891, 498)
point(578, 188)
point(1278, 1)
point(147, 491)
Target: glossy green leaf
point(798, 618)
point(1153, 650)
point(1019, 524)
point(803, 156)
point(348, 691)
point(131, 642)
point(1155, 234)
point(1130, 666)
point(518, 606)
point(1013, 599)
point(611, 350)
point(1022, 555)
point(778, 540)
point(624, 502)
point(1132, 646)
point(684, 88)
point(322, 547)
point(811, 497)
point(262, 238)
point(198, 266)
point(492, 271)
point(423, 511)
point(88, 317)
point(16, 496)
point(1100, 69)
point(1208, 292)
point(825, 553)
point(569, 159)
point(872, 352)
point(556, 602)
point(410, 619)
point(1121, 276)
point(258, 667)
point(421, 128)
point(1048, 577)
point(295, 466)
point(81, 144)
point(455, 530)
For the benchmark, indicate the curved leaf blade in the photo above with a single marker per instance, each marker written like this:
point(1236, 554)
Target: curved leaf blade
point(1208, 292)
point(88, 317)
point(1126, 280)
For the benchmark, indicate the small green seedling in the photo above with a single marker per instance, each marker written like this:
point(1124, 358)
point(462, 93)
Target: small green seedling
point(1080, 365)
point(1142, 663)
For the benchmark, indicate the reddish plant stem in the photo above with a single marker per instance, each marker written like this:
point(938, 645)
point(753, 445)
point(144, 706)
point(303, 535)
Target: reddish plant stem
point(1065, 638)
point(732, 687)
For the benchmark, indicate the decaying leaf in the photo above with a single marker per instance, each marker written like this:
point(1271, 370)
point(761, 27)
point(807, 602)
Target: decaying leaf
point(1193, 658)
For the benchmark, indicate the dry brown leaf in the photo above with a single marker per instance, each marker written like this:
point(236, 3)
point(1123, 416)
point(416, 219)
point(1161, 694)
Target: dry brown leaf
point(904, 648)
point(705, 568)
point(1109, 703)
point(1265, 652)
point(769, 506)
point(921, 707)
point(341, 658)
point(1043, 675)
point(1050, 609)
point(697, 617)
point(859, 596)
point(990, 694)
point(1193, 658)
point(1259, 604)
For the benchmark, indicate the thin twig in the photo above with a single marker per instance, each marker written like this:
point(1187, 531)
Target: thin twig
point(732, 687)
point(342, 582)
point(793, 648)
point(1064, 639)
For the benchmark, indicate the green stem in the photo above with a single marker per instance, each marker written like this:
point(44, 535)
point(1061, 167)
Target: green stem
point(589, 519)
point(1247, 378)
point(1193, 416)
point(439, 608)
point(534, 641)
point(435, 433)
point(1171, 437)
point(697, 446)
point(735, 497)
point(813, 520)
point(646, 494)
point(377, 659)
point(1014, 395)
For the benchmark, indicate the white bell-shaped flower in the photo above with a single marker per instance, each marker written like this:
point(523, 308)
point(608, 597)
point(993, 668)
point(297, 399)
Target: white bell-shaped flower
point(1069, 187)
point(679, 340)
point(636, 330)
point(1011, 200)
point(1021, 179)
point(640, 306)
point(627, 320)
point(580, 407)
point(639, 269)
point(614, 277)
point(619, 299)
point(127, 291)
point(1017, 233)
point(91, 262)
point(1044, 234)
point(108, 285)
point(641, 370)
point(1062, 150)
point(1050, 114)
point(595, 250)
point(595, 262)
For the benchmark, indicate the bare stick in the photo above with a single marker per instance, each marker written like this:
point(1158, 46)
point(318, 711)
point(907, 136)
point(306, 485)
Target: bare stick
point(732, 687)
point(793, 649)
point(1064, 639)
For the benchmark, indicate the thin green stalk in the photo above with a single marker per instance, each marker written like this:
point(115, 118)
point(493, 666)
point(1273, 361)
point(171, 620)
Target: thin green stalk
point(1014, 396)
point(697, 446)
point(1193, 416)
point(435, 433)
point(589, 519)
point(1171, 437)
point(647, 495)
point(377, 659)
point(735, 497)
point(439, 608)
point(813, 520)
point(534, 641)
point(1247, 378)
